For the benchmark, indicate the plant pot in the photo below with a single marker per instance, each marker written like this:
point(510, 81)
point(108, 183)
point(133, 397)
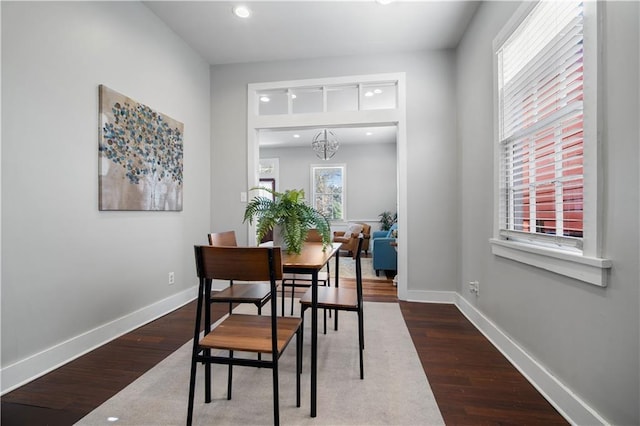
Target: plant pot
point(278, 238)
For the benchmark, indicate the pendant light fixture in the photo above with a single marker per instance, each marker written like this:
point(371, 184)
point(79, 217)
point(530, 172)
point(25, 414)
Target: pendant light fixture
point(325, 144)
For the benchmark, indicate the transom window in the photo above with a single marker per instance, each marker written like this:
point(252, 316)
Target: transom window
point(328, 98)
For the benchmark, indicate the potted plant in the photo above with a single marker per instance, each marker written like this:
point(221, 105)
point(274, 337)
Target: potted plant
point(289, 215)
point(387, 219)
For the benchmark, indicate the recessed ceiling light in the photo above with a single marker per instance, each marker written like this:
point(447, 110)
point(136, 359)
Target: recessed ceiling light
point(296, 136)
point(377, 91)
point(112, 419)
point(293, 96)
point(369, 133)
point(368, 94)
point(241, 11)
point(264, 99)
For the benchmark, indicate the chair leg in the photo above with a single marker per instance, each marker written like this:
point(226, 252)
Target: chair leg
point(276, 404)
point(298, 364)
point(260, 313)
point(293, 290)
point(192, 390)
point(207, 378)
point(230, 377)
point(324, 311)
point(302, 309)
point(361, 339)
point(283, 298)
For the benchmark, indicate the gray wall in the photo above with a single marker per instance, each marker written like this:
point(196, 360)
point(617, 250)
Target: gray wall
point(586, 336)
point(95, 267)
point(67, 267)
point(370, 177)
point(432, 230)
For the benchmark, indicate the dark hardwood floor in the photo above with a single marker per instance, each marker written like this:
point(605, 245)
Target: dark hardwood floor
point(472, 382)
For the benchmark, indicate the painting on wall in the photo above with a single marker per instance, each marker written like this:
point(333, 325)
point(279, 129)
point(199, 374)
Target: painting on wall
point(140, 156)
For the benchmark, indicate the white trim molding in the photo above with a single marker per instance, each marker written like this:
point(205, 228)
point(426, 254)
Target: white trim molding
point(34, 366)
point(592, 270)
point(569, 405)
point(392, 116)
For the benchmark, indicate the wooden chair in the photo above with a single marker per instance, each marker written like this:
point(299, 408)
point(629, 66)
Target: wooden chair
point(243, 333)
point(257, 293)
point(294, 281)
point(343, 299)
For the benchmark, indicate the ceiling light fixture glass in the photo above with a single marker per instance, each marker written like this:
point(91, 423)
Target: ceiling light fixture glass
point(241, 11)
point(325, 144)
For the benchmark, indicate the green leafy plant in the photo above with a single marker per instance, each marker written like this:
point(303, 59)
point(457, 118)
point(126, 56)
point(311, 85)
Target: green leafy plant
point(387, 219)
point(289, 211)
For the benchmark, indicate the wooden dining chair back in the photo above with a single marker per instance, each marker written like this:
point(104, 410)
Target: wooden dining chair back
point(293, 281)
point(222, 239)
point(241, 332)
point(343, 299)
point(253, 292)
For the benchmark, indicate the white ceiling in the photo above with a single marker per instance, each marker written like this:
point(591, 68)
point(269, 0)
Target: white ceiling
point(311, 29)
point(287, 30)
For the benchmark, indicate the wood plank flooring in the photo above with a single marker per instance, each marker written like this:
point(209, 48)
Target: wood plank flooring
point(472, 382)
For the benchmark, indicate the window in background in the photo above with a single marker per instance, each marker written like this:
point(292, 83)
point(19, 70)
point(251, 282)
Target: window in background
point(328, 190)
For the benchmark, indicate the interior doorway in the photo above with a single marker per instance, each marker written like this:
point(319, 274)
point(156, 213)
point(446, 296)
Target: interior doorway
point(257, 122)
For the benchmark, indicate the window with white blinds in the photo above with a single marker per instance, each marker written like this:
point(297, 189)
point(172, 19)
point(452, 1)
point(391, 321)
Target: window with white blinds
point(540, 127)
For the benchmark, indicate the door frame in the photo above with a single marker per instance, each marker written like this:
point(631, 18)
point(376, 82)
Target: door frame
point(396, 116)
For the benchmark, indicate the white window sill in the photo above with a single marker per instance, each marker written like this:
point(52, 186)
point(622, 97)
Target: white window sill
point(592, 270)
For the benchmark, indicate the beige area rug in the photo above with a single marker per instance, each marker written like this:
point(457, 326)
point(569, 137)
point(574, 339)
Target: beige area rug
point(348, 268)
point(395, 390)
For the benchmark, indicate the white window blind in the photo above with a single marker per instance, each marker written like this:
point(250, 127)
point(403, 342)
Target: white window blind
point(540, 82)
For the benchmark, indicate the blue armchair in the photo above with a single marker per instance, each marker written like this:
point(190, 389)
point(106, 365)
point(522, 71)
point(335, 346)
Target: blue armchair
point(384, 254)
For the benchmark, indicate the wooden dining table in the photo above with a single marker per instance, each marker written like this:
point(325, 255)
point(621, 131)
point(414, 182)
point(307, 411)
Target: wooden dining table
point(310, 261)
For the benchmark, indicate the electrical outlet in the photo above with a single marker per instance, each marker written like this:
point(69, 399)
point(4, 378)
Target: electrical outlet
point(172, 278)
point(474, 287)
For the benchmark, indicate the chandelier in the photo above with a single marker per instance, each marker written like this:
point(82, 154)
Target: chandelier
point(325, 144)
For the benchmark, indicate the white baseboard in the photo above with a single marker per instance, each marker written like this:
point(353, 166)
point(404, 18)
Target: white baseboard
point(568, 404)
point(34, 366)
point(431, 296)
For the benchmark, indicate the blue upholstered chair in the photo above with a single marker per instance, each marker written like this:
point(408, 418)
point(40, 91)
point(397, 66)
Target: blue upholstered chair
point(385, 257)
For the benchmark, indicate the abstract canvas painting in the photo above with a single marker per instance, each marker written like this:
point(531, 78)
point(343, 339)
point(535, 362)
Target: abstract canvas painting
point(140, 156)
